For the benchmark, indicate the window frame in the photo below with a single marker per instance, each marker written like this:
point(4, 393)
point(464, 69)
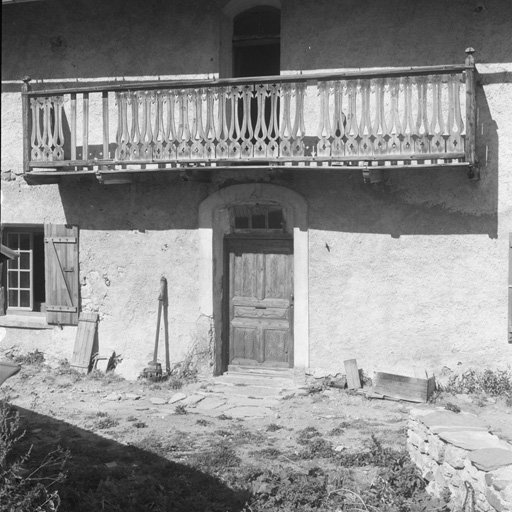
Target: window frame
point(7, 232)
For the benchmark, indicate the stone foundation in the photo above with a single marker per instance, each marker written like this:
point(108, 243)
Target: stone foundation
point(452, 448)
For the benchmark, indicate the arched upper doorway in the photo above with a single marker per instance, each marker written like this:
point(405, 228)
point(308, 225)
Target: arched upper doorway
point(250, 38)
point(256, 42)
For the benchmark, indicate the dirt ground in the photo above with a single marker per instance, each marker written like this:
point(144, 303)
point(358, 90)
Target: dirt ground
point(132, 450)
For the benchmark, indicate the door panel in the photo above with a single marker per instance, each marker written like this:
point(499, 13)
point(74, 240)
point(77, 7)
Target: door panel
point(260, 302)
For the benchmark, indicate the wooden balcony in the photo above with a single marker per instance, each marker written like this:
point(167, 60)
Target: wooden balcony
point(368, 120)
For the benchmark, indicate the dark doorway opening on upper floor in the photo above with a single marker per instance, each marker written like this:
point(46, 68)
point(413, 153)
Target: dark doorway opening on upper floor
point(256, 42)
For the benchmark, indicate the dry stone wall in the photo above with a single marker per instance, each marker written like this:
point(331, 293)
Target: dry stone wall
point(451, 449)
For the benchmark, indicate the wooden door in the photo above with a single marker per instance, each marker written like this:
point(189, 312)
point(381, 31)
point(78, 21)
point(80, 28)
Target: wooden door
point(260, 302)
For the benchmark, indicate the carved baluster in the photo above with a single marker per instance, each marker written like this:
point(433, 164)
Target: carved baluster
point(273, 124)
point(159, 132)
point(422, 127)
point(352, 130)
point(437, 129)
point(455, 123)
point(260, 130)
point(146, 149)
point(47, 131)
point(234, 126)
point(365, 126)
point(35, 137)
point(299, 130)
point(407, 123)
point(247, 148)
point(58, 132)
point(170, 128)
point(209, 129)
point(380, 131)
point(183, 126)
point(122, 135)
point(135, 100)
point(285, 130)
point(222, 132)
point(338, 122)
point(324, 127)
point(394, 131)
point(198, 135)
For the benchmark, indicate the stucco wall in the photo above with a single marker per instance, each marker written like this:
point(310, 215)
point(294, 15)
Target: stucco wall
point(405, 276)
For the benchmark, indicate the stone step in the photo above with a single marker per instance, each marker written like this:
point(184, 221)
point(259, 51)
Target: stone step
point(286, 373)
point(241, 380)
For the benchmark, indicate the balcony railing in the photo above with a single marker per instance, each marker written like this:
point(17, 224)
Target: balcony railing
point(369, 119)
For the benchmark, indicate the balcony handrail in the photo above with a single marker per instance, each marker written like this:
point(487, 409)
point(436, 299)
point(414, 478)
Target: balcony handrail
point(308, 78)
point(381, 116)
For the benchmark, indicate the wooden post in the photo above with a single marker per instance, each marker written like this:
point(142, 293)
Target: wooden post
point(105, 125)
point(470, 148)
point(25, 112)
point(72, 126)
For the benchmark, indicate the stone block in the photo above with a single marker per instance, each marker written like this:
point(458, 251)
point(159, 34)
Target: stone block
point(436, 448)
point(489, 459)
point(500, 479)
point(473, 440)
point(496, 501)
point(454, 456)
point(443, 418)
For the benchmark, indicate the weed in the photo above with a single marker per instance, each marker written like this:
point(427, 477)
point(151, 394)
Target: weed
point(203, 423)
point(139, 424)
point(175, 383)
point(267, 453)
point(305, 435)
point(34, 358)
point(490, 382)
point(223, 433)
point(336, 431)
point(106, 422)
point(224, 417)
point(273, 427)
point(105, 377)
point(180, 409)
point(220, 456)
point(26, 484)
point(102, 414)
point(316, 448)
point(132, 418)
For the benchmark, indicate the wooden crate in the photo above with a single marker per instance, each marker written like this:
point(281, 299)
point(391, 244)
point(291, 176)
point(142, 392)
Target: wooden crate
point(404, 388)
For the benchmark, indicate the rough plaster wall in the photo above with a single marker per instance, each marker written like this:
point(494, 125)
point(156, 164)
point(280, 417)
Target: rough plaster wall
point(127, 38)
point(416, 274)
point(325, 34)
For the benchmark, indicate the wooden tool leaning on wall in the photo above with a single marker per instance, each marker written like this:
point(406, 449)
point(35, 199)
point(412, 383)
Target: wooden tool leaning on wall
point(154, 369)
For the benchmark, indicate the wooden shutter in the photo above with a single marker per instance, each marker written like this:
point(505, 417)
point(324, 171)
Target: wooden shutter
point(510, 288)
point(61, 264)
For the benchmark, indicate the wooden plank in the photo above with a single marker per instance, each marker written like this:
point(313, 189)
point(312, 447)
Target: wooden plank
point(25, 108)
point(352, 372)
point(62, 286)
point(470, 147)
point(405, 388)
point(82, 352)
point(105, 124)
point(510, 289)
point(72, 126)
point(308, 78)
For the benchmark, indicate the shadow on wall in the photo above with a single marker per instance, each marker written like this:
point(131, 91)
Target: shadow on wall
point(132, 477)
point(411, 201)
point(408, 201)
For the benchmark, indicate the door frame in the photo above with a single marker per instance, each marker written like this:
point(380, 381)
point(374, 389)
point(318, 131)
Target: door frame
point(226, 314)
point(214, 225)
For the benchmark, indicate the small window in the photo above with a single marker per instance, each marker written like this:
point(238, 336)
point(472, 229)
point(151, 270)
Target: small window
point(25, 274)
point(257, 217)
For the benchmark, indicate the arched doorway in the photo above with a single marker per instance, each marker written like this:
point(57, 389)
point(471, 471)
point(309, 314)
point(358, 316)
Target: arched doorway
point(256, 42)
point(280, 251)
